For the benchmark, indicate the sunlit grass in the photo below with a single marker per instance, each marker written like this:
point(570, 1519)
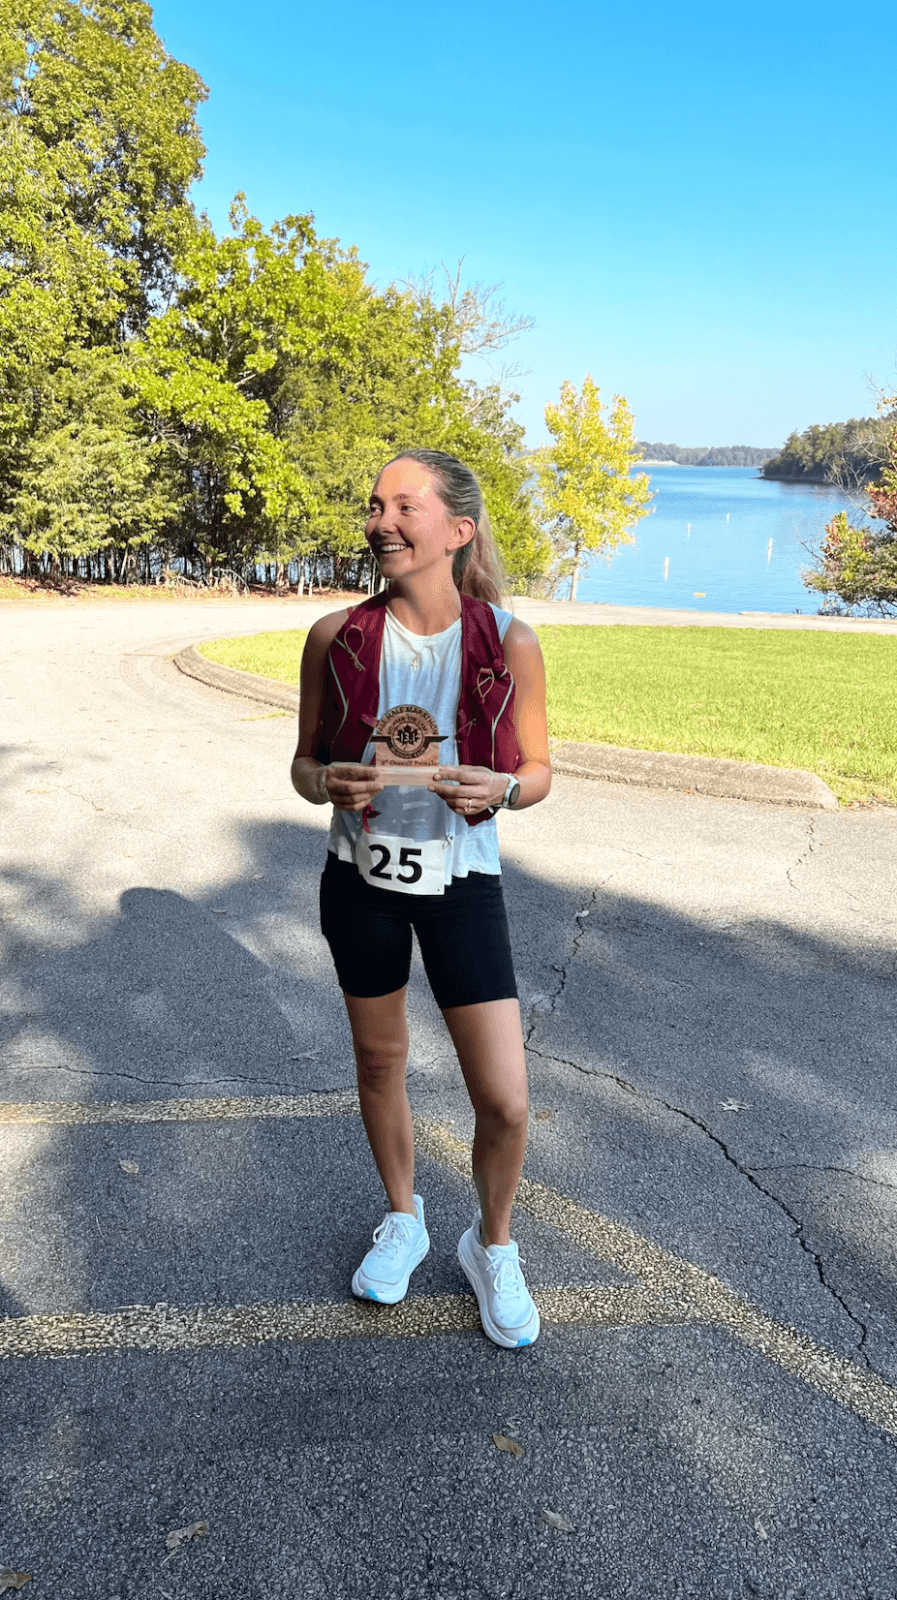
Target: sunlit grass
point(825, 702)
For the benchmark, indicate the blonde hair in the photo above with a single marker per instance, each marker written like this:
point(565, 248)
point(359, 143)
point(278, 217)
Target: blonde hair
point(477, 567)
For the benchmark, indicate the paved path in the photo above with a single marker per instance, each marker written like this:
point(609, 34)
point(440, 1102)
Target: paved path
point(707, 1217)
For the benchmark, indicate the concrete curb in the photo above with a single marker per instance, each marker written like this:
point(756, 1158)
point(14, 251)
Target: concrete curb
point(264, 691)
point(729, 780)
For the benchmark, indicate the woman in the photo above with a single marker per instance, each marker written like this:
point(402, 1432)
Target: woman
point(433, 642)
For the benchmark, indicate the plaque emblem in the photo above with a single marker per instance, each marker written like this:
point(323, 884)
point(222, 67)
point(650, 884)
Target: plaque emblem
point(407, 744)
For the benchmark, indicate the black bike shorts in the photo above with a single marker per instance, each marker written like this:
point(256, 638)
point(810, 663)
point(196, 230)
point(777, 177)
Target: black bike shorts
point(462, 934)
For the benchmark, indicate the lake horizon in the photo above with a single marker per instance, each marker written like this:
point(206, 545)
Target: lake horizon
point(719, 539)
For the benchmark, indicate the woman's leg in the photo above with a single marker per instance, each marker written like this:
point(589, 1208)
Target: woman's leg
point(380, 1038)
point(489, 1040)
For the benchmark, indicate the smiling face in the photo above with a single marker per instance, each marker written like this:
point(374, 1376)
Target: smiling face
point(409, 527)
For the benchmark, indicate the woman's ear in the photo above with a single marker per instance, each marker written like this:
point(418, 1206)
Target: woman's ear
point(467, 528)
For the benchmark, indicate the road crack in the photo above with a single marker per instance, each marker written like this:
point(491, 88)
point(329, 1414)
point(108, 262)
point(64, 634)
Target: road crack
point(544, 1004)
point(801, 861)
point(743, 1171)
point(842, 1172)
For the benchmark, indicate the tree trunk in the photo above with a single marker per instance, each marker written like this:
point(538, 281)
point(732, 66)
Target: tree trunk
point(575, 578)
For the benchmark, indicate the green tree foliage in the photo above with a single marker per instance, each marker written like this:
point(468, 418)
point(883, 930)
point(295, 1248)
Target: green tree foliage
point(98, 147)
point(224, 401)
point(859, 564)
point(99, 127)
point(90, 481)
point(846, 453)
point(589, 496)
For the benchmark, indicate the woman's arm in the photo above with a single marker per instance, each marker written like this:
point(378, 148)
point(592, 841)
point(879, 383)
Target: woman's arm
point(469, 790)
point(347, 784)
point(523, 655)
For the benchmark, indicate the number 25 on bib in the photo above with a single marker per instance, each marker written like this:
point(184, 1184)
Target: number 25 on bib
point(409, 866)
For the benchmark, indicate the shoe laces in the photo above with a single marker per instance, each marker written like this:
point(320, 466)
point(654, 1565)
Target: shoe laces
point(507, 1278)
point(393, 1234)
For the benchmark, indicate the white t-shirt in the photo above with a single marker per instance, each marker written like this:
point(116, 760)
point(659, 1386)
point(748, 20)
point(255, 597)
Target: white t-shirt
point(423, 670)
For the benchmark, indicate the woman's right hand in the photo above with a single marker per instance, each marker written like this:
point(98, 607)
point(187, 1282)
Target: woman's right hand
point(351, 785)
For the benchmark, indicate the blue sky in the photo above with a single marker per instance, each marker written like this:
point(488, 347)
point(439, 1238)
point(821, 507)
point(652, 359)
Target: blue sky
point(695, 202)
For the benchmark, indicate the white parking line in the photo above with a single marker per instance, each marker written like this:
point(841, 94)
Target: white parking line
point(670, 1289)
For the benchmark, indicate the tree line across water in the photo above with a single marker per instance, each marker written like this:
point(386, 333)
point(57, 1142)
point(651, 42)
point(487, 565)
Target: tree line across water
point(721, 455)
point(849, 454)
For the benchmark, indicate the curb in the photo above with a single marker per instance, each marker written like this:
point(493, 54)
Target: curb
point(264, 691)
point(709, 775)
point(649, 769)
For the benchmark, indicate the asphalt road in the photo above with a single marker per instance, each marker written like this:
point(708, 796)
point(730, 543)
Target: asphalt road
point(707, 1216)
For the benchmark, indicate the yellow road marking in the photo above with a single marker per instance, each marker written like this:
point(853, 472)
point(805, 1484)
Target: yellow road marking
point(671, 1289)
point(230, 1108)
point(165, 1329)
point(702, 1296)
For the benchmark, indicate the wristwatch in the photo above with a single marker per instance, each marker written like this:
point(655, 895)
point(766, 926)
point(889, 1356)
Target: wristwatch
point(511, 793)
point(509, 796)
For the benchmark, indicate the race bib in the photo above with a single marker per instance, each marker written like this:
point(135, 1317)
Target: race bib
point(409, 866)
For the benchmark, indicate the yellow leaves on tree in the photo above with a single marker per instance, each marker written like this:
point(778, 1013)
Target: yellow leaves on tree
point(589, 496)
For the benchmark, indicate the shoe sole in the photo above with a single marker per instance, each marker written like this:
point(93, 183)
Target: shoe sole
point(507, 1341)
point(368, 1289)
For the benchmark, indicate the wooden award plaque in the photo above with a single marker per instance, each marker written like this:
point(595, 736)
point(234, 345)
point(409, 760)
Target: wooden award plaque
point(407, 744)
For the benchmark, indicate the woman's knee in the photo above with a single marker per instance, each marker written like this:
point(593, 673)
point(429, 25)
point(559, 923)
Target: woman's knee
point(379, 1037)
point(506, 1106)
point(379, 1071)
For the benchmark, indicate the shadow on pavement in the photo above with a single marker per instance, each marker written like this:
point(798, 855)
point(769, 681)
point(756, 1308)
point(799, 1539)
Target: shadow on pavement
point(314, 1463)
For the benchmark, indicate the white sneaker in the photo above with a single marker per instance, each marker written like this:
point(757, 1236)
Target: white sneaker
point(507, 1309)
point(400, 1244)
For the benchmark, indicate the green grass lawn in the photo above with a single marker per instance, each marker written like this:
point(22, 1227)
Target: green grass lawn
point(826, 702)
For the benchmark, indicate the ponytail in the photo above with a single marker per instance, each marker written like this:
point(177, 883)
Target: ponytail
point(478, 569)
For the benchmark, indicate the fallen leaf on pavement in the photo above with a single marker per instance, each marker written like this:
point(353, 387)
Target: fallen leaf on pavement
point(13, 1580)
point(555, 1520)
point(130, 1167)
point(181, 1536)
point(759, 1529)
point(542, 1116)
point(510, 1446)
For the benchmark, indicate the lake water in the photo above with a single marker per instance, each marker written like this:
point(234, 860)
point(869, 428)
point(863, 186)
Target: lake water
point(706, 545)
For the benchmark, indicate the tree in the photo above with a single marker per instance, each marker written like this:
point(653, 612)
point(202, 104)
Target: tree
point(589, 497)
point(91, 486)
point(105, 119)
point(401, 389)
point(846, 453)
point(98, 147)
point(859, 564)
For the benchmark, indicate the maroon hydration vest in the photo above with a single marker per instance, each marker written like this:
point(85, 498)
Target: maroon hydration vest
point(485, 724)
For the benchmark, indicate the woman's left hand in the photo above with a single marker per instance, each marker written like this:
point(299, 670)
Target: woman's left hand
point(468, 790)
